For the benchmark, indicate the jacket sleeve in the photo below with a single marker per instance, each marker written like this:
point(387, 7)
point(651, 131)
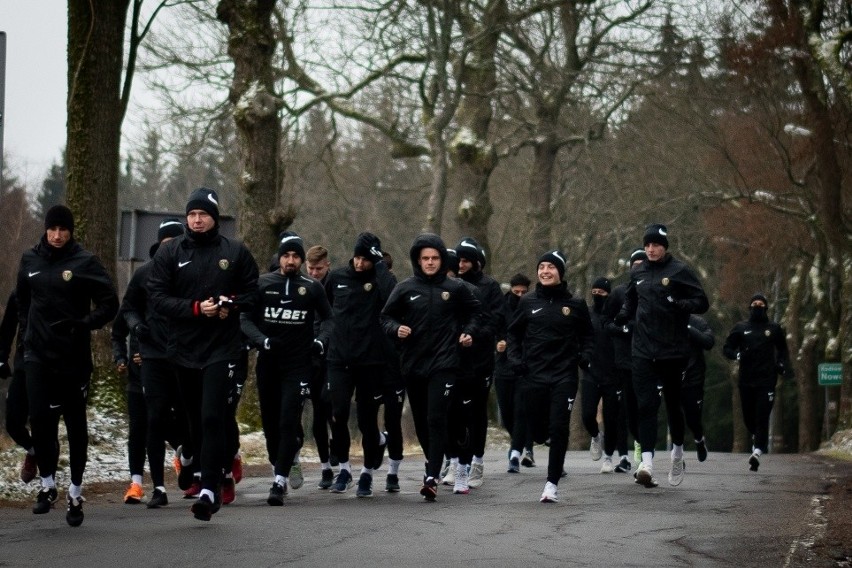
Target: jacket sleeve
point(474, 318)
point(248, 322)
point(701, 333)
point(8, 327)
point(158, 287)
point(690, 294)
point(631, 301)
point(586, 333)
point(392, 313)
point(23, 294)
point(246, 291)
point(782, 352)
point(515, 332)
point(103, 294)
point(133, 304)
point(325, 316)
point(732, 344)
point(118, 338)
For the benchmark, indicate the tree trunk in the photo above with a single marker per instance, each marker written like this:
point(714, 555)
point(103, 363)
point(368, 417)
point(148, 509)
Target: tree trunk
point(95, 62)
point(438, 186)
point(540, 190)
point(251, 45)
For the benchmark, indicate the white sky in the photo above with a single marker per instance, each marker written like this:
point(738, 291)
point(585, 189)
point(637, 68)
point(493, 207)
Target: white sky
point(36, 32)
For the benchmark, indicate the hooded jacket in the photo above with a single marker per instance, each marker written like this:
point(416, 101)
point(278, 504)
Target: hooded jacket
point(701, 339)
point(494, 320)
point(188, 269)
point(438, 310)
point(550, 332)
point(761, 349)
point(56, 286)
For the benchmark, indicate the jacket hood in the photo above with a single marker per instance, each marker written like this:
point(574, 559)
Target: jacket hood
point(428, 240)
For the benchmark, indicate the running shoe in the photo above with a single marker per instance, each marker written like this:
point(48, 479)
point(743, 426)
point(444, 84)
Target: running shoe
point(194, 489)
point(296, 478)
point(475, 477)
point(392, 483)
point(550, 494)
point(754, 462)
point(276, 495)
point(202, 509)
point(460, 487)
point(643, 476)
point(606, 465)
point(45, 500)
point(701, 450)
point(176, 460)
point(448, 474)
point(158, 499)
point(623, 465)
point(429, 489)
point(186, 477)
point(381, 457)
point(229, 491)
point(596, 447)
point(29, 468)
point(677, 471)
point(514, 466)
point(342, 482)
point(74, 516)
point(528, 459)
point(237, 468)
point(327, 479)
point(365, 485)
point(134, 494)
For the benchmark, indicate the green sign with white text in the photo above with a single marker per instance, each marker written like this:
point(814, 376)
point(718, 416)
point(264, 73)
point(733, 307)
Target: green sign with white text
point(830, 374)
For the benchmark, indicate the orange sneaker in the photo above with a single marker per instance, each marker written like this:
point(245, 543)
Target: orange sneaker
point(134, 494)
point(176, 462)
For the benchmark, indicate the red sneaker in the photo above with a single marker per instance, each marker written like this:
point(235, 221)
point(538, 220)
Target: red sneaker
point(237, 468)
point(193, 490)
point(228, 491)
point(29, 468)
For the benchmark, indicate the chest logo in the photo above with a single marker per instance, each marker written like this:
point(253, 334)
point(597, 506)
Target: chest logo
point(184, 263)
point(566, 311)
point(767, 333)
point(666, 281)
point(224, 264)
point(67, 275)
point(535, 311)
point(368, 286)
point(445, 295)
point(302, 290)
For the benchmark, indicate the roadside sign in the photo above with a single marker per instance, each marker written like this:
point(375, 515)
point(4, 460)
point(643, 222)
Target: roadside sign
point(830, 374)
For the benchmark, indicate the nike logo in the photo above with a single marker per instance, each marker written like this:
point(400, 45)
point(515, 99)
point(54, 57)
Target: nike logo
point(639, 281)
point(412, 298)
point(400, 391)
point(342, 286)
point(182, 264)
point(448, 386)
point(301, 384)
point(746, 332)
point(232, 365)
point(212, 200)
point(285, 301)
point(34, 273)
point(55, 405)
point(538, 310)
point(466, 402)
point(379, 397)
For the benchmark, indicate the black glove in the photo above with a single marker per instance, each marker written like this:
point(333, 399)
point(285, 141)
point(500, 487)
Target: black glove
point(370, 243)
point(5, 371)
point(274, 344)
point(69, 326)
point(584, 364)
point(318, 349)
point(142, 331)
point(780, 369)
point(620, 319)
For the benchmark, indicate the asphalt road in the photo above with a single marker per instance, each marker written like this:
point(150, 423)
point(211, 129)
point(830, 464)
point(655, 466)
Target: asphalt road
point(722, 515)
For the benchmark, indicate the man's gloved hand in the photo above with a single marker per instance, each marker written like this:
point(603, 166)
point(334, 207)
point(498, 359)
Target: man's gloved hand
point(142, 331)
point(781, 369)
point(273, 344)
point(318, 348)
point(620, 319)
point(584, 364)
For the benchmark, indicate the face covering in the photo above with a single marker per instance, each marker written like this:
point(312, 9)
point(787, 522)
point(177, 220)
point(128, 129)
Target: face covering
point(758, 313)
point(599, 303)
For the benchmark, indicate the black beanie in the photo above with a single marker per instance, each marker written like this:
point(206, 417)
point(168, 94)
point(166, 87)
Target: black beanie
point(59, 216)
point(519, 280)
point(557, 259)
point(759, 296)
point(452, 261)
point(656, 233)
point(364, 243)
point(206, 200)
point(637, 254)
point(468, 248)
point(171, 227)
point(290, 241)
point(602, 283)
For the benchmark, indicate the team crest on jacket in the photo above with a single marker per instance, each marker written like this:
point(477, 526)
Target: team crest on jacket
point(302, 290)
point(566, 311)
point(67, 275)
point(445, 295)
point(666, 281)
point(224, 264)
point(368, 286)
point(767, 333)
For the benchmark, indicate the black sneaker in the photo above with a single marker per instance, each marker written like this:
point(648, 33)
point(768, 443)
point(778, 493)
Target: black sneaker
point(327, 479)
point(186, 476)
point(623, 465)
point(528, 460)
point(276, 495)
point(701, 450)
point(381, 457)
point(158, 499)
point(203, 508)
point(74, 516)
point(753, 463)
point(392, 483)
point(342, 482)
point(365, 485)
point(514, 466)
point(429, 489)
point(45, 500)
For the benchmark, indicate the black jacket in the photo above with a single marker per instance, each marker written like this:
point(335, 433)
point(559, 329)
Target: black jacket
point(661, 295)
point(285, 308)
point(136, 309)
point(549, 334)
point(357, 299)
point(9, 328)
point(438, 310)
point(701, 339)
point(494, 321)
point(57, 286)
point(118, 338)
point(761, 349)
point(190, 269)
point(602, 361)
point(620, 334)
point(502, 368)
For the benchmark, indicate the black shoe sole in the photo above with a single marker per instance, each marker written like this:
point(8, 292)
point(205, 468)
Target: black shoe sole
point(74, 521)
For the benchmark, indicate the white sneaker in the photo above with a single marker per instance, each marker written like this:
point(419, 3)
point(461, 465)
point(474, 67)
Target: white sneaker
point(676, 472)
point(476, 471)
point(296, 477)
point(460, 487)
point(644, 477)
point(449, 478)
point(550, 494)
point(596, 448)
point(606, 466)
